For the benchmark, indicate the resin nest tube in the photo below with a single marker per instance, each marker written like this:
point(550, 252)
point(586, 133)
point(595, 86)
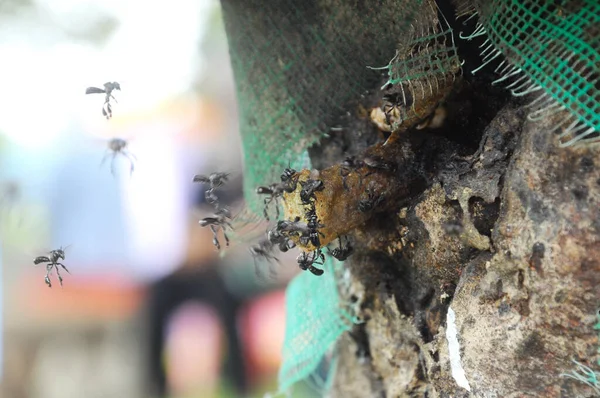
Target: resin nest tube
point(344, 196)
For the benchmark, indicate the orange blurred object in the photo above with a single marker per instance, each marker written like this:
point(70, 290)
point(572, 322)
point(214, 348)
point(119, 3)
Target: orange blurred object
point(81, 298)
point(263, 332)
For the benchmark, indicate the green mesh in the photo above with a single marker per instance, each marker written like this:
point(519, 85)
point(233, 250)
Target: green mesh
point(585, 374)
point(429, 54)
point(550, 47)
point(299, 66)
point(315, 319)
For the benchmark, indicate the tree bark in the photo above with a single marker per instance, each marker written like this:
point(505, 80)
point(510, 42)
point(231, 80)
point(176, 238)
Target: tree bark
point(507, 242)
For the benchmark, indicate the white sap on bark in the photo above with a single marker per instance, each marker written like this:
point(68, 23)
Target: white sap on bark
point(454, 351)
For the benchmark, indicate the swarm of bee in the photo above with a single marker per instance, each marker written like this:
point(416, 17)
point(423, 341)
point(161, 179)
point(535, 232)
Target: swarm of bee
point(302, 230)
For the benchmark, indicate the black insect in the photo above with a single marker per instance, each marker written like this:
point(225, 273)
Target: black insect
point(313, 229)
point(262, 250)
point(289, 180)
point(108, 89)
point(287, 227)
point(219, 220)
point(392, 101)
point(118, 146)
point(373, 200)
point(52, 261)
point(309, 187)
point(342, 252)
point(277, 238)
point(306, 261)
point(349, 165)
point(215, 180)
point(273, 192)
point(378, 163)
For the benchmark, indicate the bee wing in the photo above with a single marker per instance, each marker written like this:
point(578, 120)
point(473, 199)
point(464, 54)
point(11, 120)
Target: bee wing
point(246, 228)
point(94, 90)
point(201, 178)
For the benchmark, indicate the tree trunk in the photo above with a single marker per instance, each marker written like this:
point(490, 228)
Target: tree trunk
point(495, 267)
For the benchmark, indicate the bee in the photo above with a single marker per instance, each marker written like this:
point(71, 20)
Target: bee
point(117, 146)
point(342, 252)
point(276, 238)
point(109, 87)
point(378, 163)
point(220, 220)
point(215, 180)
point(288, 181)
point(263, 250)
point(373, 200)
point(349, 165)
point(273, 192)
point(306, 261)
point(52, 261)
point(309, 187)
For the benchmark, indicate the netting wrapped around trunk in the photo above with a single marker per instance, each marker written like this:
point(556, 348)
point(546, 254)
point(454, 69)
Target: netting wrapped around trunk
point(299, 66)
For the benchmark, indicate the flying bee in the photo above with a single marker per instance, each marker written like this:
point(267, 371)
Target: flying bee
point(349, 165)
point(263, 250)
point(373, 200)
point(215, 180)
point(118, 146)
point(273, 192)
point(309, 187)
point(306, 261)
point(342, 252)
point(109, 87)
point(219, 220)
point(52, 261)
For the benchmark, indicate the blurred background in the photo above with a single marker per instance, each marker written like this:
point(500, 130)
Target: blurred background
point(150, 308)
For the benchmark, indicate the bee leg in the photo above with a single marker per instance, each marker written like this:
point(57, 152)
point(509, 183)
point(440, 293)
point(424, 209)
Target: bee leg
point(131, 162)
point(267, 201)
point(226, 238)
point(60, 279)
point(112, 164)
point(215, 239)
point(65, 268)
point(49, 267)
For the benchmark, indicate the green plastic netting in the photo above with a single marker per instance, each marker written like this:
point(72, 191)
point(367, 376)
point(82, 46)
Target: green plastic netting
point(550, 47)
point(315, 319)
point(301, 65)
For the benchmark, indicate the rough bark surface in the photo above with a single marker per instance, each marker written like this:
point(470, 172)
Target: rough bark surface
point(507, 236)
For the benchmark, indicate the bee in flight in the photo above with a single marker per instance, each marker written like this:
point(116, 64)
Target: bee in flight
point(52, 261)
point(118, 146)
point(109, 87)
